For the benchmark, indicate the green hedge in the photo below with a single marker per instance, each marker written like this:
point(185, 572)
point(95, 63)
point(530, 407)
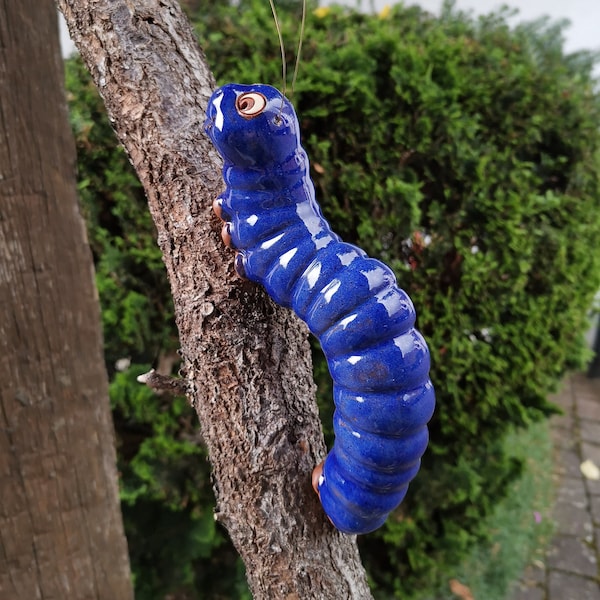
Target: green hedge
point(462, 152)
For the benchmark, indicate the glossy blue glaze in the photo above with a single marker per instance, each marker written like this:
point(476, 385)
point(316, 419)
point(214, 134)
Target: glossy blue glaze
point(365, 323)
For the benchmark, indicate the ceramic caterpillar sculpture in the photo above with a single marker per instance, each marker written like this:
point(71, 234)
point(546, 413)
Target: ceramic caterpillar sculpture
point(378, 361)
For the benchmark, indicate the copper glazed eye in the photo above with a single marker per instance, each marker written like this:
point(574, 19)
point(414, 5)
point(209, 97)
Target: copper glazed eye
point(250, 105)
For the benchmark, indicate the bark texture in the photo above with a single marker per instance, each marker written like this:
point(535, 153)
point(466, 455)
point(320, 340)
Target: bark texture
point(61, 532)
point(246, 360)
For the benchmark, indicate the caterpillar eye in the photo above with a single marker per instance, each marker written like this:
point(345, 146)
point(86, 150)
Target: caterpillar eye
point(250, 105)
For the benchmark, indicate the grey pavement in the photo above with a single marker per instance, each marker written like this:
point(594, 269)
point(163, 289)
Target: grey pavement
point(571, 568)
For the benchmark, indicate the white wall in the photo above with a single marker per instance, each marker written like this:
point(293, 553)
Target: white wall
point(68, 47)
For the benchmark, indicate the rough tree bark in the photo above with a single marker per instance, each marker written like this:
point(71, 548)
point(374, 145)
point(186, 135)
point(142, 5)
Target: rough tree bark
point(61, 532)
point(247, 362)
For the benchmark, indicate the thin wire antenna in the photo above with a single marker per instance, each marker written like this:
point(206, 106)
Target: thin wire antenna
point(283, 66)
point(300, 40)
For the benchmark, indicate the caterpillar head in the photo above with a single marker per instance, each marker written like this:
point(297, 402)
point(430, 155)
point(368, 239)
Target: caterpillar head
point(252, 125)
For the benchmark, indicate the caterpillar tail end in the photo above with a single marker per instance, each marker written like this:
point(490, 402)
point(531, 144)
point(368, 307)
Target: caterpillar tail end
point(341, 515)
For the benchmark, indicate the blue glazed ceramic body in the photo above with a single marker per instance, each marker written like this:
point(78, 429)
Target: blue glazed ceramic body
point(365, 323)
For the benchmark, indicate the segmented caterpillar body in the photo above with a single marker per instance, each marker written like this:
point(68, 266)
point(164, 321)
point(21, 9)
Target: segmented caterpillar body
point(378, 361)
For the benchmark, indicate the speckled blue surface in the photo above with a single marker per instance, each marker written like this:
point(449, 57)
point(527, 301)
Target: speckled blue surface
point(365, 323)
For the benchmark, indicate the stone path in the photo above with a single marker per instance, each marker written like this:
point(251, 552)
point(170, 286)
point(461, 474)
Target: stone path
point(571, 569)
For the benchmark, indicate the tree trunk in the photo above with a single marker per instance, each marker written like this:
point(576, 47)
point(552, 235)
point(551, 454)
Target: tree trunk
point(247, 361)
point(61, 532)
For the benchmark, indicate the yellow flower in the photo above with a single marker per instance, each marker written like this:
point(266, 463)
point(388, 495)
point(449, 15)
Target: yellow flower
point(321, 12)
point(385, 12)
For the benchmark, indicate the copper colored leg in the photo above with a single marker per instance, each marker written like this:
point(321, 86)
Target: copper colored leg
point(316, 475)
point(225, 235)
point(217, 207)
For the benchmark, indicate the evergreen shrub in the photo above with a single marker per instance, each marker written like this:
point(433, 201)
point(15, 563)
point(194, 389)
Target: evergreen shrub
point(463, 152)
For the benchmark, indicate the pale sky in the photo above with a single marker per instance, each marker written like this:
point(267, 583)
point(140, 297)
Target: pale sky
point(584, 32)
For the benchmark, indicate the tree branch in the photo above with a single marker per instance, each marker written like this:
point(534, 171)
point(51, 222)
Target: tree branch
point(247, 362)
point(164, 383)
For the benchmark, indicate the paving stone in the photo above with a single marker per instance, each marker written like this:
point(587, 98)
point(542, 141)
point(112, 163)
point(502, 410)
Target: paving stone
point(585, 387)
point(564, 421)
point(588, 408)
point(590, 431)
point(591, 452)
point(573, 518)
point(561, 433)
point(595, 509)
point(571, 489)
point(593, 487)
point(564, 398)
point(534, 574)
point(527, 592)
point(572, 554)
point(567, 463)
point(572, 570)
point(568, 586)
